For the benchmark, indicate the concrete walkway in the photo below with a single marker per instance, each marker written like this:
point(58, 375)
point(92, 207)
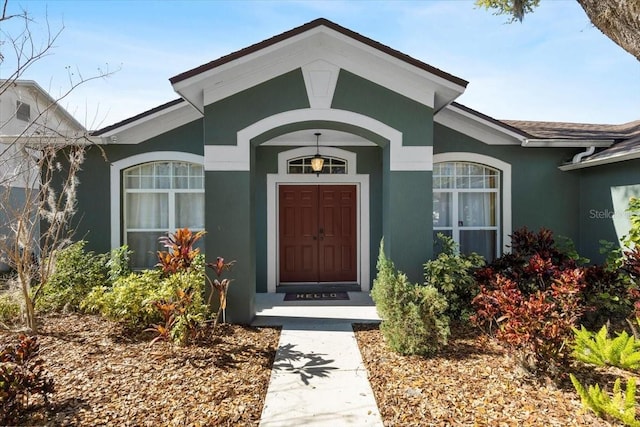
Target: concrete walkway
point(318, 377)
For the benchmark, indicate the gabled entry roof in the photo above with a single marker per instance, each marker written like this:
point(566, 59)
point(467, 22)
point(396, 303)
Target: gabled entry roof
point(334, 47)
point(318, 40)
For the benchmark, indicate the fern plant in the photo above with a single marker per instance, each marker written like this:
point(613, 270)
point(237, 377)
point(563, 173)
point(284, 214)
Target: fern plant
point(598, 349)
point(621, 406)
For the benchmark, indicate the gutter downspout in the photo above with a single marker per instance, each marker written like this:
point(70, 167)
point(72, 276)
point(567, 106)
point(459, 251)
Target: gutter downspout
point(578, 157)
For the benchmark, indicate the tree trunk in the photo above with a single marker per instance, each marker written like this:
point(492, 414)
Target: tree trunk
point(30, 311)
point(617, 19)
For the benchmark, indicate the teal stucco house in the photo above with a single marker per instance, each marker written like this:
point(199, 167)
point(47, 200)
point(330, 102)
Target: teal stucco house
point(235, 154)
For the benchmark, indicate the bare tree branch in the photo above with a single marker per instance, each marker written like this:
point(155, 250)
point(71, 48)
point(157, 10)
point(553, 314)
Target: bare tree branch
point(39, 165)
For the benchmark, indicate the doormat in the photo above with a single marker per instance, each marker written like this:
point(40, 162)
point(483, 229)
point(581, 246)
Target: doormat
point(315, 296)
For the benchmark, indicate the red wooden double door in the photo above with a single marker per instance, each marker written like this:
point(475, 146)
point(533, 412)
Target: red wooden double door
point(317, 233)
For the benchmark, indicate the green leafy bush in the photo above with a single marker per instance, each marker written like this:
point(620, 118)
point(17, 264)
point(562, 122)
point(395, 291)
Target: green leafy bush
point(633, 238)
point(598, 349)
point(76, 272)
point(125, 301)
point(607, 294)
point(118, 264)
point(21, 375)
point(413, 316)
point(130, 299)
point(10, 306)
point(622, 406)
point(452, 274)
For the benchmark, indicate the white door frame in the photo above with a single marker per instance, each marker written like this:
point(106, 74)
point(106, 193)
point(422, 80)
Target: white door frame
point(361, 181)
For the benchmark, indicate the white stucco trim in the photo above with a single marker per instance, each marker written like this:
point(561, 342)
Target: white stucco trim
point(476, 127)
point(115, 187)
point(151, 125)
point(318, 43)
point(361, 182)
point(505, 168)
point(329, 137)
point(237, 157)
point(320, 79)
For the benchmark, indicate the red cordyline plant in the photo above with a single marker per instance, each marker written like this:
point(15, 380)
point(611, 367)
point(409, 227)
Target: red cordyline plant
point(22, 374)
point(174, 311)
point(531, 299)
point(180, 252)
point(220, 285)
point(537, 326)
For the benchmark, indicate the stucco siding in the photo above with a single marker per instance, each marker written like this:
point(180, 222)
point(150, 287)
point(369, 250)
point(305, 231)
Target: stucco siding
point(414, 120)
point(226, 117)
point(92, 220)
point(604, 194)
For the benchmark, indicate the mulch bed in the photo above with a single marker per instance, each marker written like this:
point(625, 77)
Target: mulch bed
point(106, 376)
point(472, 382)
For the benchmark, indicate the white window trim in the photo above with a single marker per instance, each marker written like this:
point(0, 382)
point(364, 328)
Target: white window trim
point(361, 181)
point(115, 187)
point(505, 184)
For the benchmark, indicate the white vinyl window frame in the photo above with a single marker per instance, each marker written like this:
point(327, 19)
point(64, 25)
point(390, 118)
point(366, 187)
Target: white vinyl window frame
point(504, 203)
point(332, 166)
point(118, 234)
point(457, 225)
point(171, 192)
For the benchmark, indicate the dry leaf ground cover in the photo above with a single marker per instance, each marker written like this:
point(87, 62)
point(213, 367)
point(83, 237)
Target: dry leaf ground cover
point(472, 382)
point(106, 376)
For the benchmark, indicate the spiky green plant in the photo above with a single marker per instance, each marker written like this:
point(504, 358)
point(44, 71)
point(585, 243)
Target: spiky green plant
point(620, 406)
point(599, 349)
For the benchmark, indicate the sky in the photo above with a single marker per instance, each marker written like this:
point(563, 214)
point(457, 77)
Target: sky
point(554, 66)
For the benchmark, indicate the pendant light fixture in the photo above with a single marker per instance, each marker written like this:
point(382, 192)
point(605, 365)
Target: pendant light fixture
point(317, 162)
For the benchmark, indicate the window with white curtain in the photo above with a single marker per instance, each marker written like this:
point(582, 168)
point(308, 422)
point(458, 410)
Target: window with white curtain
point(466, 206)
point(160, 197)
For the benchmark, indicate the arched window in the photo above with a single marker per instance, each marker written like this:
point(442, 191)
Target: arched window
point(332, 165)
point(160, 197)
point(466, 206)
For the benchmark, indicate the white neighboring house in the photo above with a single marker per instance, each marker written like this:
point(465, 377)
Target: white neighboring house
point(29, 118)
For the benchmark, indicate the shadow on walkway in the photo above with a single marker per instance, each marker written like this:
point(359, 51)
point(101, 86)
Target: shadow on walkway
point(307, 365)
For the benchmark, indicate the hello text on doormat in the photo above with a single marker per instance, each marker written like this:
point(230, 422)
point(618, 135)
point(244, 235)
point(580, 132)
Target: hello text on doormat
point(315, 296)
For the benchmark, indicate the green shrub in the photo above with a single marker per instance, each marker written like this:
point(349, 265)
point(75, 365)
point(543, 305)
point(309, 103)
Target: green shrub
point(10, 307)
point(118, 263)
point(607, 293)
point(452, 274)
point(75, 273)
point(130, 299)
point(633, 238)
point(125, 300)
point(413, 316)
